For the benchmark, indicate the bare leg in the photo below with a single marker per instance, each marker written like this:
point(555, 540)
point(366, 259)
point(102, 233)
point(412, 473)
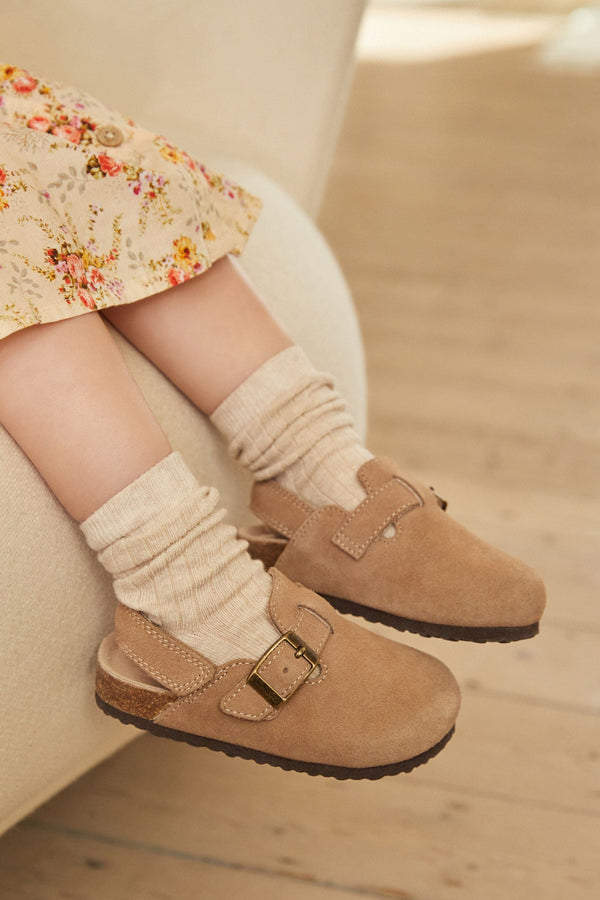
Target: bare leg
point(68, 399)
point(207, 334)
point(214, 338)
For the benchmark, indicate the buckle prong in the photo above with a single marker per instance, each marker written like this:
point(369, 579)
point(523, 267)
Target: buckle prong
point(267, 691)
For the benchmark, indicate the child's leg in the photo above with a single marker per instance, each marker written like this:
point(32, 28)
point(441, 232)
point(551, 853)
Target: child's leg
point(216, 340)
point(68, 399)
point(207, 334)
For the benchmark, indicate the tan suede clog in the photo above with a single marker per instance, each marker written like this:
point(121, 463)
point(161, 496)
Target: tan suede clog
point(398, 558)
point(328, 698)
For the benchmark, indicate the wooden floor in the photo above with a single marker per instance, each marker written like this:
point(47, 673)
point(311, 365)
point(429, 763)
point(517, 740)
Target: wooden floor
point(464, 206)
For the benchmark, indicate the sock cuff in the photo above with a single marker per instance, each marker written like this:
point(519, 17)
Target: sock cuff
point(164, 533)
point(158, 490)
point(288, 372)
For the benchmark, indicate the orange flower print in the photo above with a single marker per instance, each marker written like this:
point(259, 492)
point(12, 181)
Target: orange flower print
point(177, 276)
point(7, 73)
point(18, 79)
point(3, 203)
point(79, 271)
point(24, 83)
point(172, 154)
point(185, 252)
point(108, 165)
point(96, 278)
point(86, 298)
point(188, 160)
point(75, 267)
point(68, 133)
point(40, 123)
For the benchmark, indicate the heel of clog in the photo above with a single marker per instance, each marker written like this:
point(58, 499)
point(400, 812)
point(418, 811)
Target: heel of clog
point(118, 689)
point(128, 698)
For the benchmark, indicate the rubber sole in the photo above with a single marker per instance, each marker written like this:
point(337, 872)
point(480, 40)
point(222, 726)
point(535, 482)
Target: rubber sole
point(342, 773)
point(502, 635)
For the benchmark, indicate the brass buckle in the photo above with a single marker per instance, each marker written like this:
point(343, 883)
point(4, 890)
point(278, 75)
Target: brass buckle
point(262, 687)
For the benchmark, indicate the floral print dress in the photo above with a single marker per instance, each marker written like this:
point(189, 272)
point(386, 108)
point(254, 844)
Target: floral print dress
point(96, 211)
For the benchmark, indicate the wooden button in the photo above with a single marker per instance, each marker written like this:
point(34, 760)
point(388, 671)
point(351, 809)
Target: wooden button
point(109, 135)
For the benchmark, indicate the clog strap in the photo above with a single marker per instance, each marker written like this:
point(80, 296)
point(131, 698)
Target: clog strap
point(389, 496)
point(289, 662)
point(365, 524)
point(279, 508)
point(163, 657)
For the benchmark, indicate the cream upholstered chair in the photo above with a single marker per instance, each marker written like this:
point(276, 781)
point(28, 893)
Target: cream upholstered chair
point(256, 89)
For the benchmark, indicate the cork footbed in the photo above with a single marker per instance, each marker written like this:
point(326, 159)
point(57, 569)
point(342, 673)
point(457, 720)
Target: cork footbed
point(123, 685)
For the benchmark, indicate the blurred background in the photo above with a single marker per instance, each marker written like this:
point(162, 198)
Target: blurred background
point(463, 205)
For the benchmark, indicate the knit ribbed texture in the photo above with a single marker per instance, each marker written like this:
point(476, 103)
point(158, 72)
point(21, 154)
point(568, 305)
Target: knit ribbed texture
point(286, 422)
point(171, 555)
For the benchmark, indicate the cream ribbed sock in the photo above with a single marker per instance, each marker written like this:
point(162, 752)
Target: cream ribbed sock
point(164, 541)
point(285, 421)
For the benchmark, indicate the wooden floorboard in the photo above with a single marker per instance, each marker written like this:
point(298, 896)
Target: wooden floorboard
point(420, 836)
point(464, 207)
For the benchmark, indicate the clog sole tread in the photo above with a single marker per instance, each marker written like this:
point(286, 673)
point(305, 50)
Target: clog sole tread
point(341, 773)
point(476, 634)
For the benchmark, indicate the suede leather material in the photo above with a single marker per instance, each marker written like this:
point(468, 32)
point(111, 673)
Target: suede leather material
point(377, 472)
point(388, 503)
point(294, 510)
point(373, 702)
point(431, 570)
point(168, 660)
point(282, 669)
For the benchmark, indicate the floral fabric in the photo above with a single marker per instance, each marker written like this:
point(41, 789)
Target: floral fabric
point(86, 225)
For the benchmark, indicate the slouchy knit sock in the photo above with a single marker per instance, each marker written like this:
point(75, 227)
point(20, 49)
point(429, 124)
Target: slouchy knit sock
point(171, 555)
point(286, 422)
